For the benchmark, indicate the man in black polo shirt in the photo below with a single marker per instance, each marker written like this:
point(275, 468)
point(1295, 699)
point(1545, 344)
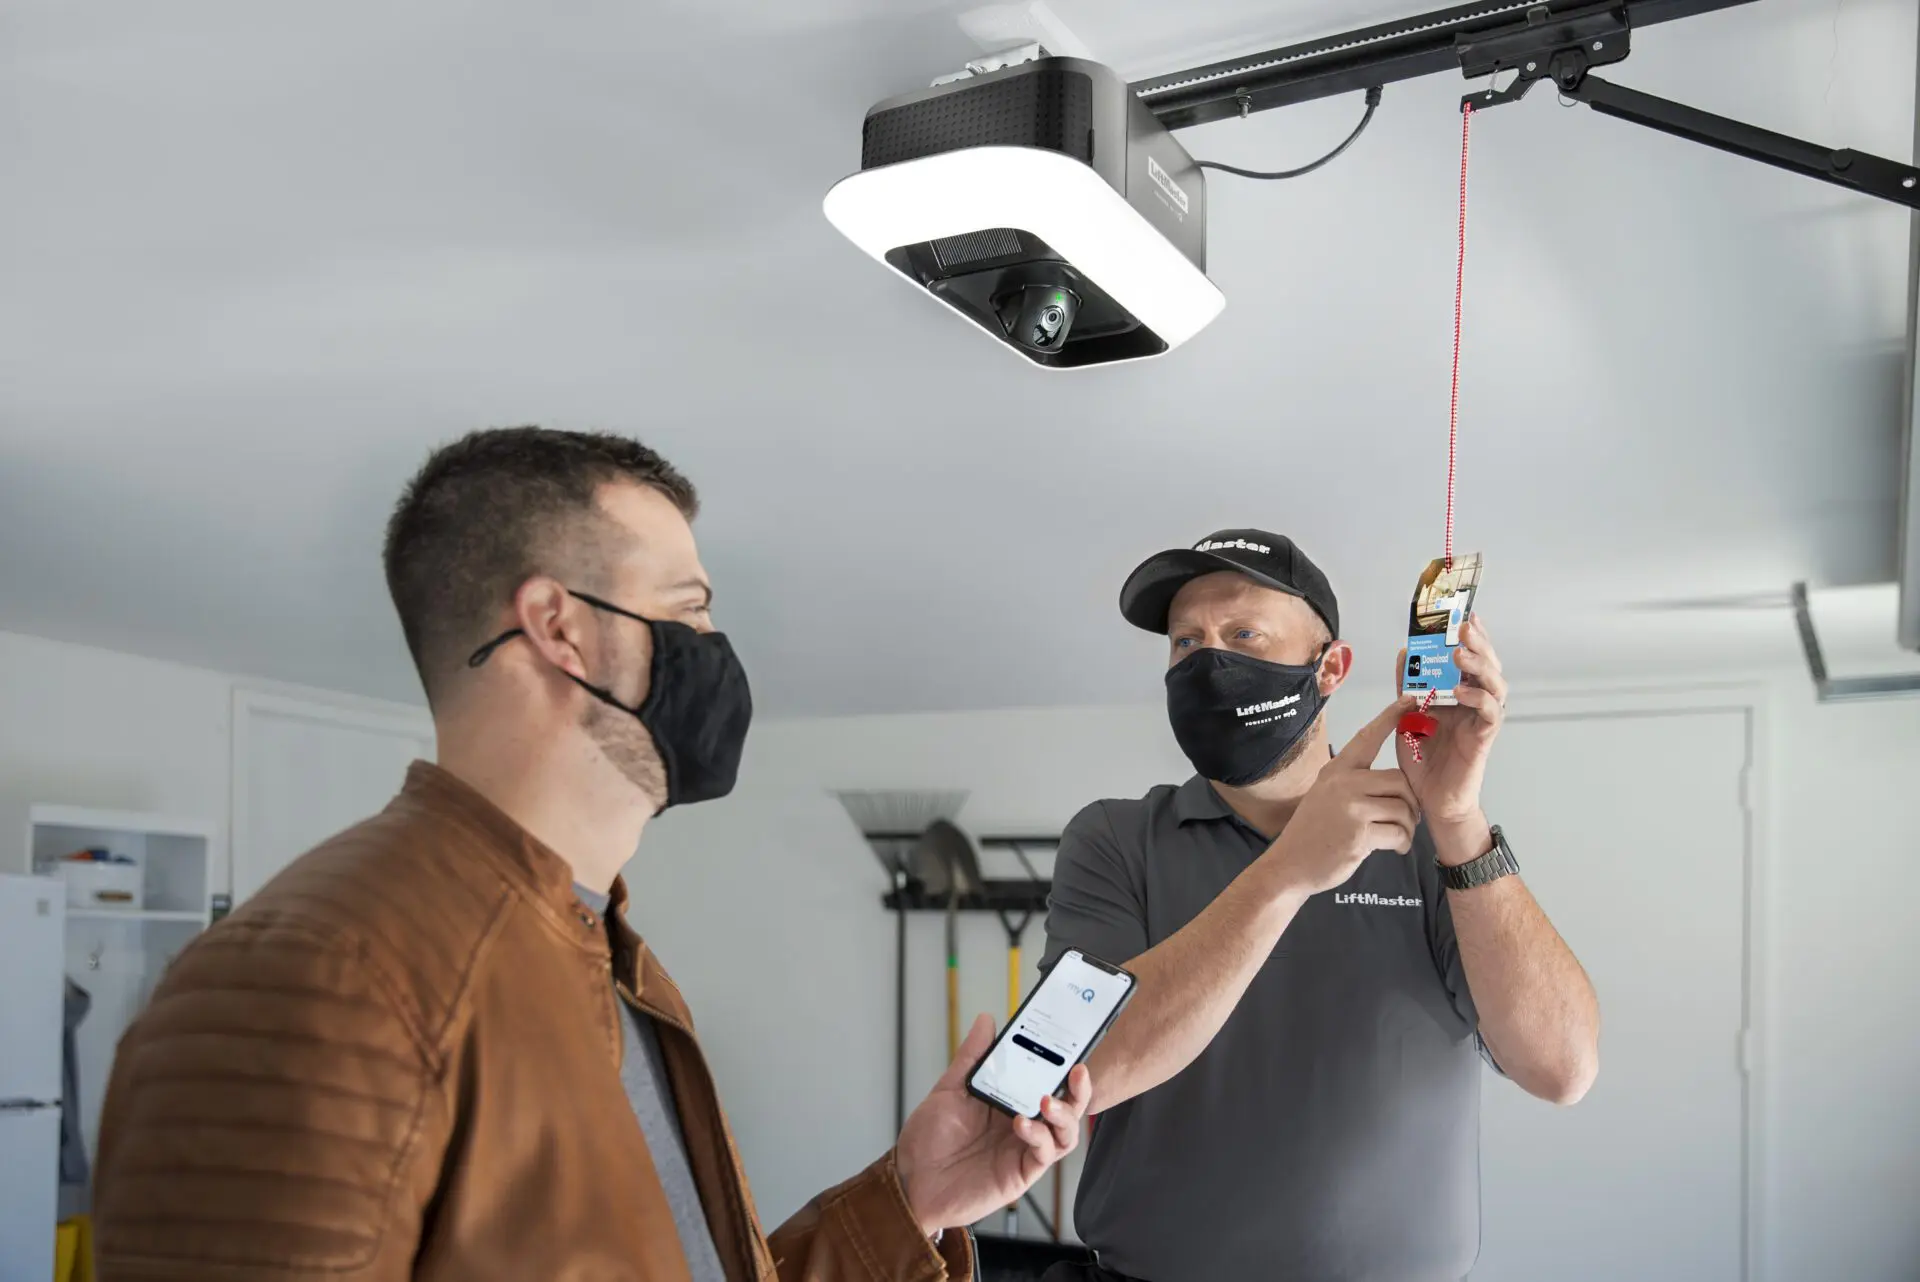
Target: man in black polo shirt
point(1325, 953)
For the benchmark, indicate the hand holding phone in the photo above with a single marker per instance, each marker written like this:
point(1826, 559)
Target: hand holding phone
point(960, 1159)
point(1056, 1027)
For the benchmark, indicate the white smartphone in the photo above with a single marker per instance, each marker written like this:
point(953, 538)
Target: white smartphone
point(1056, 1027)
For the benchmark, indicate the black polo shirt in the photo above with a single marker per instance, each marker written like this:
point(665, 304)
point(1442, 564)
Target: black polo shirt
point(1331, 1131)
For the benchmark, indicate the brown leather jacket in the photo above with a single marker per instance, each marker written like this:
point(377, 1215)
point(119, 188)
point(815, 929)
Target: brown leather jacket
point(401, 1060)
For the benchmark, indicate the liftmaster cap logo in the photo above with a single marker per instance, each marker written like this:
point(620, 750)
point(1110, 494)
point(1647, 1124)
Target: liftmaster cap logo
point(1166, 183)
point(1216, 545)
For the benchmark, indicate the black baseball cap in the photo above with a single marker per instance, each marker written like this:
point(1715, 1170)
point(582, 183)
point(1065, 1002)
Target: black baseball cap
point(1269, 559)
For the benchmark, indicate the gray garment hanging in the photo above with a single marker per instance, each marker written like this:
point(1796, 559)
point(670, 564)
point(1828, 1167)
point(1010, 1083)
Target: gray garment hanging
point(73, 1145)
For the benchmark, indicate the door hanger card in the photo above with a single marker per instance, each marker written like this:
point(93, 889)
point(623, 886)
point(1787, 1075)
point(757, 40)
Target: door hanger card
point(1441, 606)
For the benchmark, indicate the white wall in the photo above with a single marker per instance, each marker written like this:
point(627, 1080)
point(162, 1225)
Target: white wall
point(766, 908)
point(1843, 1140)
point(90, 727)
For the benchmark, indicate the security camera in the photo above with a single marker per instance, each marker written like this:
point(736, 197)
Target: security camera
point(1042, 201)
point(1039, 317)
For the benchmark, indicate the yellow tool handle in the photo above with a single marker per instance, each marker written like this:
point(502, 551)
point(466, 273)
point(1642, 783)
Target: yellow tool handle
point(953, 1007)
point(1013, 979)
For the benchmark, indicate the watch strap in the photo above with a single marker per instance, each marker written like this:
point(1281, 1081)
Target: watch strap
point(1492, 866)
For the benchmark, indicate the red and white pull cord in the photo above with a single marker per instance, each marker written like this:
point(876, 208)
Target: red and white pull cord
point(1419, 725)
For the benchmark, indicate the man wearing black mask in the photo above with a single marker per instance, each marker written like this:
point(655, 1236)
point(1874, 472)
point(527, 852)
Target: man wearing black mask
point(1325, 951)
point(432, 1050)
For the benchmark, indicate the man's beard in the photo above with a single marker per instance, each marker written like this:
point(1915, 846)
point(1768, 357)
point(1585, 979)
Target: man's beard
point(1297, 749)
point(626, 743)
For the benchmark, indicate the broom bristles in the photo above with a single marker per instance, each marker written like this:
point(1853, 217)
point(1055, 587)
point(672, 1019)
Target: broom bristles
point(899, 811)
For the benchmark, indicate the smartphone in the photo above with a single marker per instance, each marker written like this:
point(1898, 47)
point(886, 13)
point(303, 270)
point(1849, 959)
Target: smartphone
point(1442, 604)
point(1059, 1024)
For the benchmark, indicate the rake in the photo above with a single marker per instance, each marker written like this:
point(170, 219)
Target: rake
point(893, 821)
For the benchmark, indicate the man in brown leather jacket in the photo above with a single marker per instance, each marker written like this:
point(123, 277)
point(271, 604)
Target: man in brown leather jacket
point(432, 1048)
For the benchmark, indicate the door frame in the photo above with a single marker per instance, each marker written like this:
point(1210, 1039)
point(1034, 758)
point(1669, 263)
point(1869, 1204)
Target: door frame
point(252, 703)
point(1755, 701)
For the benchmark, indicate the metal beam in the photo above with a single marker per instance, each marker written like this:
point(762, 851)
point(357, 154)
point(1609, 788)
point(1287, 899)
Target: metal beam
point(1370, 56)
point(1855, 170)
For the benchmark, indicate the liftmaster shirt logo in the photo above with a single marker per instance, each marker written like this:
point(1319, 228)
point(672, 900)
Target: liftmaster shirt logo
point(1369, 900)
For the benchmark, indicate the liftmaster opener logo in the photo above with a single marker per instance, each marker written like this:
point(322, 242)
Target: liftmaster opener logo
point(1371, 900)
point(1168, 185)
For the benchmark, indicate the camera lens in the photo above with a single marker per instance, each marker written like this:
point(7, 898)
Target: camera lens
point(1039, 317)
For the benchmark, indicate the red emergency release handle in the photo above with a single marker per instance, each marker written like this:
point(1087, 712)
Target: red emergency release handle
point(1419, 725)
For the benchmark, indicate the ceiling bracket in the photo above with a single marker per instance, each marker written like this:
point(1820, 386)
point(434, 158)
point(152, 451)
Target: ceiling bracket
point(987, 63)
point(1831, 689)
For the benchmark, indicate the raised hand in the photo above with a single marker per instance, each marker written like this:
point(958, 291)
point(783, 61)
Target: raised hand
point(1453, 761)
point(1350, 811)
point(961, 1160)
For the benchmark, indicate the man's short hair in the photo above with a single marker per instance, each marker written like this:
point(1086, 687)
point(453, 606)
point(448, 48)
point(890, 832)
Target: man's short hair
point(496, 507)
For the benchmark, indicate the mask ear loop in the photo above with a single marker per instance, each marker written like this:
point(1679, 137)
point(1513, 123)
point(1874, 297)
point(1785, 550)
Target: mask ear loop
point(601, 693)
point(485, 652)
point(1422, 724)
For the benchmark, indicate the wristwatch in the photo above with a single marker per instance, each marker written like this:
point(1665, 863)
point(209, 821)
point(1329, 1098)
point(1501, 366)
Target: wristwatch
point(1492, 866)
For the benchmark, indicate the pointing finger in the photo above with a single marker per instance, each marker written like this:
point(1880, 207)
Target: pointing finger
point(1365, 746)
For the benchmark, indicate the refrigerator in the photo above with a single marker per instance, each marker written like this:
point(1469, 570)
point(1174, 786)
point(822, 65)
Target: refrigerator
point(33, 922)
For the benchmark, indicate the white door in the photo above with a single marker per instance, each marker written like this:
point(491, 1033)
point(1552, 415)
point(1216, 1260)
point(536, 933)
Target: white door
point(1631, 831)
point(33, 922)
point(29, 1191)
point(305, 770)
point(33, 918)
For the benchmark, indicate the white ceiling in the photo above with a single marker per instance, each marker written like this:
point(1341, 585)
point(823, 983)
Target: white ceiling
point(258, 258)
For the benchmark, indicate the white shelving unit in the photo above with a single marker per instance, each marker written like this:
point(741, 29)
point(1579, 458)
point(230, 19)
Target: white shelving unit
point(172, 853)
point(133, 914)
point(118, 954)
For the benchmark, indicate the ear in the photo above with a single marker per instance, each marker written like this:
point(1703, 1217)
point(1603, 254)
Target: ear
point(1335, 668)
point(553, 621)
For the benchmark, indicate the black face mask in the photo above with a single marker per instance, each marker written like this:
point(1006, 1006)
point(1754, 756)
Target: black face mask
point(697, 709)
point(1235, 716)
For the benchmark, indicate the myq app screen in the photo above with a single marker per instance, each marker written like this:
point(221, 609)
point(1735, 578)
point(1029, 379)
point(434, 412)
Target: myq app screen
point(1050, 1034)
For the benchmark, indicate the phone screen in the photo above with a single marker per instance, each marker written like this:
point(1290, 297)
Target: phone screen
point(1055, 1028)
